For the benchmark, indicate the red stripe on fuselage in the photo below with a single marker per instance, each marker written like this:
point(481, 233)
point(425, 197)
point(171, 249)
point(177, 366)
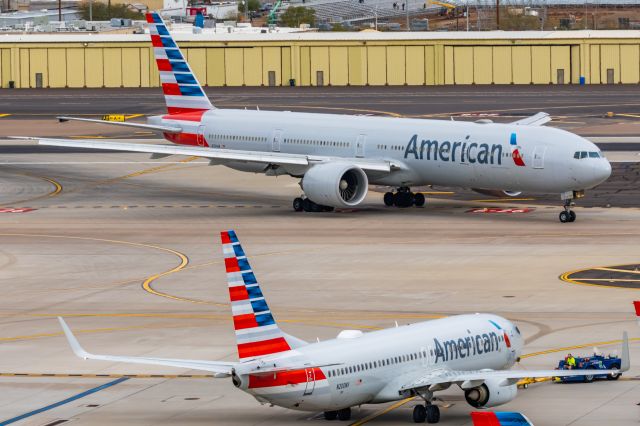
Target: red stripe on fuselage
point(185, 114)
point(185, 139)
point(241, 322)
point(238, 293)
point(164, 65)
point(264, 347)
point(285, 378)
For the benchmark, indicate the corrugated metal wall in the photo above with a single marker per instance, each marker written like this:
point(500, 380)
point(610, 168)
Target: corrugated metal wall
point(326, 63)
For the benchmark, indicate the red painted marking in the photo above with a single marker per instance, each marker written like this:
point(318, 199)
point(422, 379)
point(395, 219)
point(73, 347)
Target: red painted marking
point(244, 321)
point(231, 263)
point(499, 210)
point(185, 139)
point(636, 304)
point(517, 158)
point(224, 236)
point(156, 41)
point(264, 347)
point(171, 89)
point(506, 340)
point(484, 418)
point(16, 210)
point(149, 18)
point(184, 114)
point(285, 378)
point(164, 65)
point(238, 293)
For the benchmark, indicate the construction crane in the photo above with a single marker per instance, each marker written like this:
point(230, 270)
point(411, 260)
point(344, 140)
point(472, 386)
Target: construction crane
point(273, 16)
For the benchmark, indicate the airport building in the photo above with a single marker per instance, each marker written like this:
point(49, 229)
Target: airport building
point(321, 59)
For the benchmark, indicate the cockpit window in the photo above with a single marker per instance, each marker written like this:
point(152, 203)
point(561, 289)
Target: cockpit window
point(577, 155)
point(590, 154)
point(583, 154)
point(593, 155)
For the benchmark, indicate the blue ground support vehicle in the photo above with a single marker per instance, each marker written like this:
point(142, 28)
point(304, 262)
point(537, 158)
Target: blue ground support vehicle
point(595, 362)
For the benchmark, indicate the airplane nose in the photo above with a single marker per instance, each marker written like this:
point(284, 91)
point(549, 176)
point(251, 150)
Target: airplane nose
point(603, 170)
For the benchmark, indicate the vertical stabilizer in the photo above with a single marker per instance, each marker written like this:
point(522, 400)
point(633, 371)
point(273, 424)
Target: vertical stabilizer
point(182, 92)
point(257, 332)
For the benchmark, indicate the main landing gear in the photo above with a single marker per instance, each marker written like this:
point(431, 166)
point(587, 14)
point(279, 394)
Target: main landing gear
point(428, 412)
point(344, 414)
point(568, 215)
point(305, 204)
point(404, 198)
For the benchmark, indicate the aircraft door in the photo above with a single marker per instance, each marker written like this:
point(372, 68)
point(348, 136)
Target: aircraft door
point(200, 136)
point(538, 157)
point(362, 139)
point(277, 138)
point(311, 381)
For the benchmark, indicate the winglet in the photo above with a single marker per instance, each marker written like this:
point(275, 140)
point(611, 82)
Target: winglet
point(625, 361)
point(73, 342)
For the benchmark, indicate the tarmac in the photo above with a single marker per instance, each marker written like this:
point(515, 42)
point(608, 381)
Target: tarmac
point(127, 250)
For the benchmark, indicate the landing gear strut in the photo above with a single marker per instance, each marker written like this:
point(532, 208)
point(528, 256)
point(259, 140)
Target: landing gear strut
point(568, 215)
point(404, 198)
point(305, 204)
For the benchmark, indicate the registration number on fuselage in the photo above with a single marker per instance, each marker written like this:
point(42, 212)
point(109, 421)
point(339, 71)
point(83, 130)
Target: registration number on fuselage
point(342, 386)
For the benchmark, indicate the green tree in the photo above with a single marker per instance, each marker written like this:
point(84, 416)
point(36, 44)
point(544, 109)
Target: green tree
point(294, 16)
point(254, 5)
point(104, 12)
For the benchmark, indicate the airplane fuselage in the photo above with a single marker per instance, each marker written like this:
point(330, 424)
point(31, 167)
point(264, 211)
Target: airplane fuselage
point(464, 154)
point(372, 367)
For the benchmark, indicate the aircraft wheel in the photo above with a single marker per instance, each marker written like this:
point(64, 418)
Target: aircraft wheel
point(572, 216)
point(307, 205)
point(330, 415)
point(327, 208)
point(389, 198)
point(403, 199)
point(344, 414)
point(433, 413)
point(297, 204)
point(588, 378)
point(418, 199)
point(564, 217)
point(419, 414)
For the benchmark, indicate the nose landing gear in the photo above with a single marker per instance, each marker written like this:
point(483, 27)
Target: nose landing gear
point(569, 215)
point(404, 198)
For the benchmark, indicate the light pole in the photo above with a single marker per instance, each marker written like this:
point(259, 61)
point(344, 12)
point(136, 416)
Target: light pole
point(406, 9)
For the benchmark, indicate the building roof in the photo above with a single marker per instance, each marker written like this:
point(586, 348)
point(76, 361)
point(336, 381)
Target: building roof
point(328, 36)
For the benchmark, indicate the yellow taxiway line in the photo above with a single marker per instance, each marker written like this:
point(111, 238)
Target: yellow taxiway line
point(57, 189)
point(384, 411)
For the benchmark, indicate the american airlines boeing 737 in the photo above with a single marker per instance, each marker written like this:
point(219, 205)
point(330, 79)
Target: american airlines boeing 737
point(336, 157)
point(474, 352)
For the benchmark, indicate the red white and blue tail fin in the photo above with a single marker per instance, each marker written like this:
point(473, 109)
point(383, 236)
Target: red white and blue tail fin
point(636, 305)
point(182, 92)
point(499, 418)
point(257, 333)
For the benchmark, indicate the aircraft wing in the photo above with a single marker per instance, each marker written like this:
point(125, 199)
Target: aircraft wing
point(218, 368)
point(535, 120)
point(267, 158)
point(438, 379)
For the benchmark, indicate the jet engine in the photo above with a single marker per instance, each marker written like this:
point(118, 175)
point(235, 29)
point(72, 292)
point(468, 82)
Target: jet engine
point(497, 192)
point(490, 394)
point(335, 184)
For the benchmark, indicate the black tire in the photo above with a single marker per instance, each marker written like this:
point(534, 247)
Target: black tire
point(389, 199)
point(419, 414)
point(403, 199)
point(307, 205)
point(572, 216)
point(330, 415)
point(418, 199)
point(297, 204)
point(327, 208)
point(433, 414)
point(564, 217)
point(588, 378)
point(344, 414)
point(614, 376)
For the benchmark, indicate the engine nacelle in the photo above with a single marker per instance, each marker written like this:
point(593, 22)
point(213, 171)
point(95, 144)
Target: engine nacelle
point(490, 394)
point(497, 192)
point(335, 184)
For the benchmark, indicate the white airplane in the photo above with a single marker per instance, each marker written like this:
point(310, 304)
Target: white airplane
point(337, 156)
point(474, 352)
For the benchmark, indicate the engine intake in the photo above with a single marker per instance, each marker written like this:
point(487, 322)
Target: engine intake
point(335, 184)
point(490, 394)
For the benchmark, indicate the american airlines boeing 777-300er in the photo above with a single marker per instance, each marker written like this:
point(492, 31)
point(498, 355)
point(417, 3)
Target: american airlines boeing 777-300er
point(474, 352)
point(337, 156)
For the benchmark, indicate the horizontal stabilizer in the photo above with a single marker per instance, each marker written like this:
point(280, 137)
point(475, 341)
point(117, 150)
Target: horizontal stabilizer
point(164, 129)
point(535, 120)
